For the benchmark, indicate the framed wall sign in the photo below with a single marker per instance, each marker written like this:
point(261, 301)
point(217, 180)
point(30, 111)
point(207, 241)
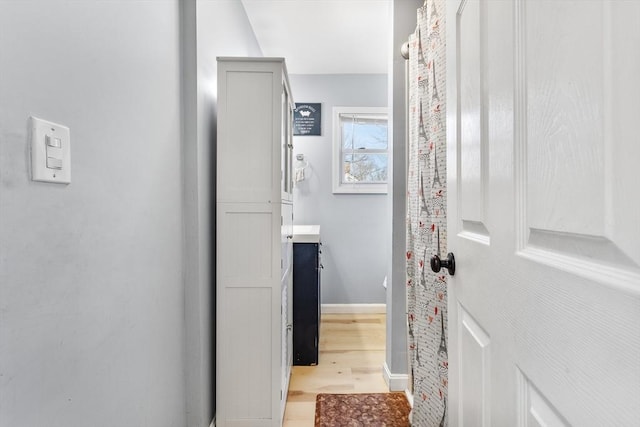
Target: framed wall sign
point(307, 119)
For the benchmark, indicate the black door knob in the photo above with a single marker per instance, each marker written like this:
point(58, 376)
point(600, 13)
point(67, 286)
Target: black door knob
point(449, 263)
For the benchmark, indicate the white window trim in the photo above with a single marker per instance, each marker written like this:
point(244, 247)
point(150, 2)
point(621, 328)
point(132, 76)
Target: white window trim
point(352, 188)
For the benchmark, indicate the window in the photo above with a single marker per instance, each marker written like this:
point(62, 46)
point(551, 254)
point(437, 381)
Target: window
point(360, 150)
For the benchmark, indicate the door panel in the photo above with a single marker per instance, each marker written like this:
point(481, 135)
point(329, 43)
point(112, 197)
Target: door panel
point(565, 139)
point(543, 101)
point(473, 156)
point(253, 98)
point(534, 410)
point(248, 381)
point(571, 168)
point(475, 371)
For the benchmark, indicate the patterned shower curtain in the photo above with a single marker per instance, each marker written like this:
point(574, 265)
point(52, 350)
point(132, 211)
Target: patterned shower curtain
point(426, 218)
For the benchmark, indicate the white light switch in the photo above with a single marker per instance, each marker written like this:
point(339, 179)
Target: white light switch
point(52, 141)
point(50, 152)
point(53, 163)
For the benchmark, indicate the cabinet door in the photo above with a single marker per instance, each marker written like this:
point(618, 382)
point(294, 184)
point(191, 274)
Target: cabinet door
point(306, 300)
point(246, 151)
point(286, 297)
point(287, 145)
point(247, 310)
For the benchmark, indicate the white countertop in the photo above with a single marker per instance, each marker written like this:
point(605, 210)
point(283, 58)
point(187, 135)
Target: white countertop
point(306, 234)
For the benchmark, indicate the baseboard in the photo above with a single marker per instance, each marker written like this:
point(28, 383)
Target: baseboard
point(354, 308)
point(409, 397)
point(395, 382)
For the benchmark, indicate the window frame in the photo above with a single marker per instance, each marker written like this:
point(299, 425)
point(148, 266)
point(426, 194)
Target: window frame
point(340, 187)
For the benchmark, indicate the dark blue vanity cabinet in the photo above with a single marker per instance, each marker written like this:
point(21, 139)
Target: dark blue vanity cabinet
point(306, 302)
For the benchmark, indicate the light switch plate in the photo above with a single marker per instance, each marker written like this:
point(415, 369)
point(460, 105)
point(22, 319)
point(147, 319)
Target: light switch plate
point(40, 131)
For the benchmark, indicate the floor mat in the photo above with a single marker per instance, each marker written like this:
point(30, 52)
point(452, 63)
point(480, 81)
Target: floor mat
point(355, 410)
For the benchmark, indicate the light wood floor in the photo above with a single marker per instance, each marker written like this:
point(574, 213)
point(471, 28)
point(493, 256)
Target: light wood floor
point(352, 352)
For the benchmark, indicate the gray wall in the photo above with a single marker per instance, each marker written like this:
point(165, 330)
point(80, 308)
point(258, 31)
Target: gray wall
point(403, 19)
point(212, 28)
point(352, 227)
point(105, 284)
point(91, 288)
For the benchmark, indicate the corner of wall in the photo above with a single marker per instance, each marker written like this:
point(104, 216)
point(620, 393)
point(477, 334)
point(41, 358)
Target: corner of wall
point(395, 382)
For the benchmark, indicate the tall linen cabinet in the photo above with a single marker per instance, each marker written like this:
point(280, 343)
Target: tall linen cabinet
point(254, 230)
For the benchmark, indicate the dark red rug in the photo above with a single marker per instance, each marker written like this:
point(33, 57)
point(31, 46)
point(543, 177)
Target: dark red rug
point(355, 410)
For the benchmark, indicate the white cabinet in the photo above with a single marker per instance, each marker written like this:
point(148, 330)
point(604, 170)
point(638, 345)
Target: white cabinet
point(254, 217)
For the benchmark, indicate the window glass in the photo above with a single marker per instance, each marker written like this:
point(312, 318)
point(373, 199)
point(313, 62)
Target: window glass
point(361, 150)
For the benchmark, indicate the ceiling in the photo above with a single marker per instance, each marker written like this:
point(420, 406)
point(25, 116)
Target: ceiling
point(324, 36)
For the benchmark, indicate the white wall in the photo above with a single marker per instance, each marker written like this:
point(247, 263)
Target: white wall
point(353, 227)
point(91, 287)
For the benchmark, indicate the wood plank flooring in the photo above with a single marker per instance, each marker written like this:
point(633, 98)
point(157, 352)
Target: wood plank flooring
point(352, 353)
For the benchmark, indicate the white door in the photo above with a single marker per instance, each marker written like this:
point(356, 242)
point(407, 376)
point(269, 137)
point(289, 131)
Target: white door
point(543, 125)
